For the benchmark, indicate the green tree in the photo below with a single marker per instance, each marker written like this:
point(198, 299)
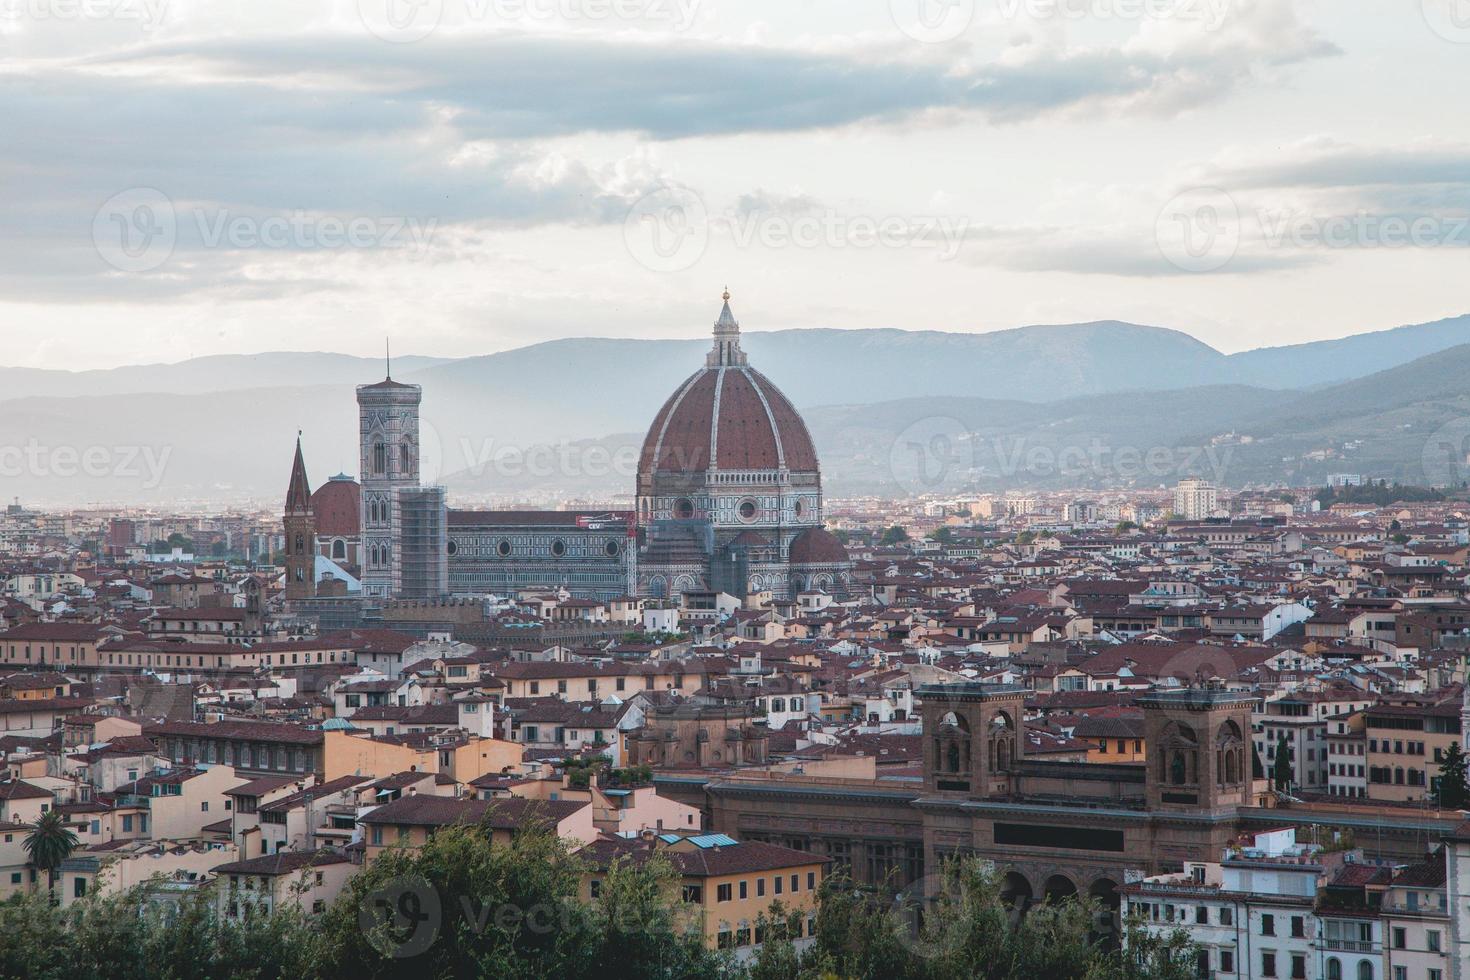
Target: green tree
point(1281, 768)
point(943, 535)
point(894, 535)
point(969, 930)
point(1453, 792)
point(142, 934)
point(1150, 956)
point(48, 844)
point(463, 907)
point(858, 935)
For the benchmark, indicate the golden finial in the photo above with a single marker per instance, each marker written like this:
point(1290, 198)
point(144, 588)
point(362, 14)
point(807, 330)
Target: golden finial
point(726, 296)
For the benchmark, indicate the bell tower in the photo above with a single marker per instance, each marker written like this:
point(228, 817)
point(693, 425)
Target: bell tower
point(300, 526)
point(973, 738)
point(1200, 756)
point(388, 443)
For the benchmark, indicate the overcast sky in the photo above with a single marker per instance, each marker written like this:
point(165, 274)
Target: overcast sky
point(184, 178)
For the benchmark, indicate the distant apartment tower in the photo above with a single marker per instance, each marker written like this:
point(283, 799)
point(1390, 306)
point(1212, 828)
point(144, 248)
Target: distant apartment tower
point(1195, 500)
point(121, 535)
point(388, 441)
point(1081, 512)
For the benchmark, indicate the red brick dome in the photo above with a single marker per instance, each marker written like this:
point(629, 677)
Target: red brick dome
point(336, 505)
point(817, 546)
point(731, 416)
point(727, 416)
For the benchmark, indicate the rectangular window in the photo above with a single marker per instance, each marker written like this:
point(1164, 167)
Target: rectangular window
point(722, 893)
point(742, 890)
point(1268, 925)
point(1400, 937)
point(760, 888)
point(1227, 961)
point(1299, 966)
point(1268, 964)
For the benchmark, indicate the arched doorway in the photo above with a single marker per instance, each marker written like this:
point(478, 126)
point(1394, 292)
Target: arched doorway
point(1104, 891)
point(1015, 891)
point(1059, 888)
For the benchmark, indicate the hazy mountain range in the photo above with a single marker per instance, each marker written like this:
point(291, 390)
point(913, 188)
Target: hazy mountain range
point(1086, 405)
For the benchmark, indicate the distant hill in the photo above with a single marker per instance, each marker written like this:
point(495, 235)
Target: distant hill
point(1410, 423)
point(889, 409)
point(220, 372)
point(1327, 361)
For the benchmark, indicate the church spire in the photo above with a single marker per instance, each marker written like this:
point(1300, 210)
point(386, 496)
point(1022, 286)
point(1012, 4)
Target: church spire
point(727, 352)
point(298, 494)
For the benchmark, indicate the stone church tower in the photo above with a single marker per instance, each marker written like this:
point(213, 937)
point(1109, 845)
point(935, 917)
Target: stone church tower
point(300, 527)
point(388, 440)
point(1201, 759)
point(974, 740)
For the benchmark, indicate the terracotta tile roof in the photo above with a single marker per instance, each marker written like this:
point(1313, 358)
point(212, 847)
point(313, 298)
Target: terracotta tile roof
point(281, 863)
point(506, 813)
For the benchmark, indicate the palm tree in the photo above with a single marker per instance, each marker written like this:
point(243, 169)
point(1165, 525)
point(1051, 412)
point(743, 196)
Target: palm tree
point(48, 844)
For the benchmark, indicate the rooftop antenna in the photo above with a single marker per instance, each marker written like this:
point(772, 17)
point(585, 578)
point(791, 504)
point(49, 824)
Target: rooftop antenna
point(387, 359)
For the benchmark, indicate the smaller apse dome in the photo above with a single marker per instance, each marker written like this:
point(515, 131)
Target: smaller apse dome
point(337, 507)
